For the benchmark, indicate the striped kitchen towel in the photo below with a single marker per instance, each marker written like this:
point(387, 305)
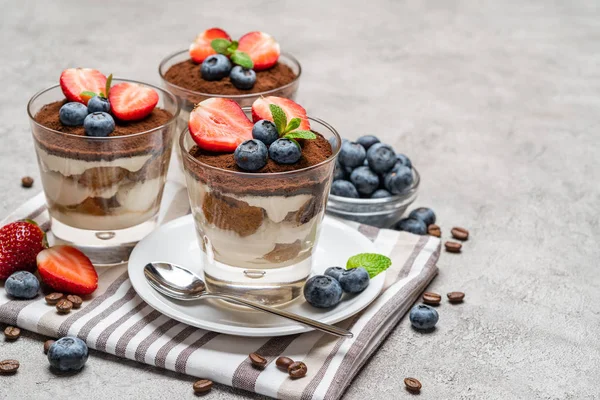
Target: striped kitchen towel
point(115, 320)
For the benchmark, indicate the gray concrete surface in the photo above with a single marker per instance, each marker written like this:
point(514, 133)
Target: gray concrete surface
point(496, 102)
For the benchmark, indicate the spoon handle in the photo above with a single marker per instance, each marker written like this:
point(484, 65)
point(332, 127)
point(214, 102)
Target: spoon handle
point(327, 328)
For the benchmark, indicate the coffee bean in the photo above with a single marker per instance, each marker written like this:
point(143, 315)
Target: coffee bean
point(284, 362)
point(434, 230)
point(433, 299)
point(455, 297)
point(459, 233)
point(27, 181)
point(258, 361)
point(412, 385)
point(297, 369)
point(453, 247)
point(202, 386)
point(76, 300)
point(53, 298)
point(47, 345)
point(9, 366)
point(12, 333)
point(64, 306)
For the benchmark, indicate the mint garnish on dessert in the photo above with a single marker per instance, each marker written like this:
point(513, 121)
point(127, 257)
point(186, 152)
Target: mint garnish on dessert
point(230, 49)
point(90, 94)
point(372, 262)
point(289, 130)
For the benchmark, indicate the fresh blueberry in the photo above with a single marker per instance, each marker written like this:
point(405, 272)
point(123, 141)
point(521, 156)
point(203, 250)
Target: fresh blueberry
point(72, 114)
point(22, 285)
point(338, 171)
point(403, 160)
point(344, 189)
point(380, 194)
point(285, 151)
point(68, 354)
point(367, 141)
point(242, 78)
point(399, 179)
point(322, 291)
point(265, 131)
point(423, 317)
point(98, 104)
point(412, 225)
point(354, 280)
point(215, 67)
point(333, 142)
point(352, 154)
point(334, 272)
point(365, 180)
point(99, 124)
point(424, 214)
point(381, 158)
point(251, 155)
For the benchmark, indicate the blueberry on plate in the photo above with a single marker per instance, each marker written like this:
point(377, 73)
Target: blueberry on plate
point(381, 158)
point(322, 291)
point(367, 141)
point(72, 114)
point(68, 354)
point(98, 104)
point(424, 214)
point(412, 225)
point(334, 272)
point(403, 160)
point(398, 180)
point(423, 317)
point(215, 67)
point(242, 78)
point(265, 131)
point(251, 155)
point(352, 154)
point(99, 124)
point(365, 180)
point(354, 280)
point(380, 194)
point(338, 171)
point(22, 285)
point(285, 151)
point(344, 188)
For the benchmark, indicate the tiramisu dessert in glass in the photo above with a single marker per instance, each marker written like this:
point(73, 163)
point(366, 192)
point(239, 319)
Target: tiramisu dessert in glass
point(103, 148)
point(258, 181)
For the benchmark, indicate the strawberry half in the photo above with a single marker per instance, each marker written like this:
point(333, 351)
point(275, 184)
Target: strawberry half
point(261, 110)
point(20, 243)
point(219, 125)
point(66, 269)
point(131, 101)
point(74, 81)
point(201, 48)
point(262, 49)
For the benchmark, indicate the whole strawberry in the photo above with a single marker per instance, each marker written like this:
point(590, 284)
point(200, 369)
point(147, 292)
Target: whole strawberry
point(20, 243)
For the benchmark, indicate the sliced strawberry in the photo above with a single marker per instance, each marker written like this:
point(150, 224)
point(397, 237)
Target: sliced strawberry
point(20, 243)
point(219, 124)
point(261, 110)
point(201, 48)
point(262, 49)
point(74, 81)
point(131, 101)
point(67, 270)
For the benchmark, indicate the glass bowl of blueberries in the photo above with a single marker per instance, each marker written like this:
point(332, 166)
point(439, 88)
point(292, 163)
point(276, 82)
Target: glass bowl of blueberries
point(372, 184)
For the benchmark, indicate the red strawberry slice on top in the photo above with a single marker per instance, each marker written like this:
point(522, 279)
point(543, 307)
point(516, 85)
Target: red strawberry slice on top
point(219, 125)
point(74, 81)
point(262, 49)
point(132, 101)
point(67, 270)
point(261, 110)
point(201, 48)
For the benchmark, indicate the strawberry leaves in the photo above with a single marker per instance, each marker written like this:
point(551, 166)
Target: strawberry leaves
point(229, 48)
point(289, 130)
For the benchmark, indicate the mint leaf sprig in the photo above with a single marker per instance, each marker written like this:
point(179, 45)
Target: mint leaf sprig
point(104, 94)
point(372, 262)
point(229, 48)
point(289, 130)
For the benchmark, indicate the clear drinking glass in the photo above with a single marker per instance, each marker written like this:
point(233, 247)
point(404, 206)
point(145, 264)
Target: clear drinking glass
point(258, 231)
point(103, 193)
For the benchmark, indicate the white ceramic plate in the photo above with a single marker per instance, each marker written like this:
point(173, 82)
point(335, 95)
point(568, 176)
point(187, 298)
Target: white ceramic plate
point(176, 242)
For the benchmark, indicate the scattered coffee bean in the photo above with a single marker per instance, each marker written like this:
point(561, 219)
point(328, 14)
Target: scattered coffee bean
point(297, 369)
point(64, 306)
point(453, 247)
point(455, 297)
point(202, 386)
point(54, 298)
point(433, 299)
point(258, 361)
point(284, 362)
point(76, 300)
point(12, 333)
point(9, 366)
point(460, 233)
point(434, 230)
point(412, 385)
point(47, 345)
point(27, 181)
